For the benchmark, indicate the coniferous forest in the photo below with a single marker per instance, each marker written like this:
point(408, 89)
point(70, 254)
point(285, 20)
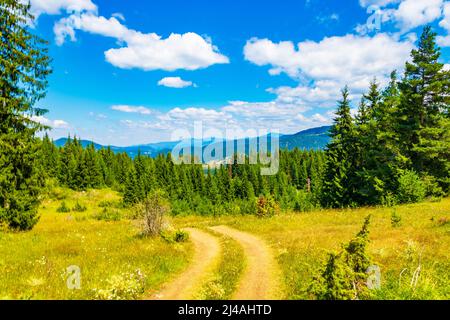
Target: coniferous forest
point(396, 149)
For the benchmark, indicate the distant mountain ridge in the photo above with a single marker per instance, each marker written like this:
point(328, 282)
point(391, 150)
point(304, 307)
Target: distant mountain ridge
point(315, 138)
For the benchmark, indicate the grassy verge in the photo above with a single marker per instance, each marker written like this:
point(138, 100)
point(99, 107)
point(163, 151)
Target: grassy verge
point(109, 253)
point(227, 276)
point(421, 241)
point(96, 234)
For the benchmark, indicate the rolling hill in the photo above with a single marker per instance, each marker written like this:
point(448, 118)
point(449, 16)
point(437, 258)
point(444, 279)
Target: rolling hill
point(315, 138)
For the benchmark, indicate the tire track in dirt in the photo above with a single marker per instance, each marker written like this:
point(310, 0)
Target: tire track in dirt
point(260, 280)
point(207, 251)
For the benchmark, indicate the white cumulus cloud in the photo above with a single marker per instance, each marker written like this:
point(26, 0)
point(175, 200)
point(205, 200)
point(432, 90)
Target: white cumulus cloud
point(132, 109)
point(405, 14)
point(379, 3)
point(324, 67)
point(56, 124)
point(175, 82)
point(200, 114)
point(444, 41)
point(55, 7)
point(146, 51)
point(413, 13)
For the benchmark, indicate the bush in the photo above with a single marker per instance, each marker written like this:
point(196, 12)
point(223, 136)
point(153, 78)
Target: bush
point(79, 207)
point(204, 207)
point(108, 215)
point(248, 207)
point(388, 200)
point(266, 207)
point(396, 219)
point(432, 188)
point(55, 192)
point(106, 204)
point(303, 202)
point(344, 275)
point(175, 236)
point(20, 218)
point(153, 210)
point(180, 207)
point(334, 282)
point(127, 286)
point(411, 188)
point(181, 236)
point(63, 208)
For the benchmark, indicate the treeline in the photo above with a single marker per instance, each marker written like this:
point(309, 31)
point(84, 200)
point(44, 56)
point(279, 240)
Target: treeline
point(397, 148)
point(231, 188)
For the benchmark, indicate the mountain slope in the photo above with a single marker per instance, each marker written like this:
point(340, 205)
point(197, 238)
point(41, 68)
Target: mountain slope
point(315, 138)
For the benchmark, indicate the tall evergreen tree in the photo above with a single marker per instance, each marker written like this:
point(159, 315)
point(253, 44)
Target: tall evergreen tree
point(132, 193)
point(423, 112)
point(338, 185)
point(369, 179)
point(24, 67)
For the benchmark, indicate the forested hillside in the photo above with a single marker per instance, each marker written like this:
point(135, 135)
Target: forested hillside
point(192, 188)
point(316, 138)
point(396, 150)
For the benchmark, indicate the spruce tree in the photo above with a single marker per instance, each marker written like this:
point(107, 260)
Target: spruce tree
point(49, 157)
point(338, 185)
point(131, 193)
point(369, 178)
point(24, 67)
point(423, 113)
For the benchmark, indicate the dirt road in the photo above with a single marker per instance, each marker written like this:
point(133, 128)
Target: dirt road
point(206, 257)
point(260, 280)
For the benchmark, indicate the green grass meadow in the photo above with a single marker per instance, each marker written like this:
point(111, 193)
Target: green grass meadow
point(104, 241)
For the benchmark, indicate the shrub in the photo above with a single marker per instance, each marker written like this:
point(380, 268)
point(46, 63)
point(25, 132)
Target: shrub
point(108, 215)
point(55, 192)
point(303, 202)
point(344, 275)
point(334, 282)
point(432, 188)
point(248, 207)
point(106, 204)
point(111, 204)
point(180, 207)
point(153, 210)
point(126, 286)
point(79, 207)
point(63, 208)
point(396, 219)
point(175, 236)
point(388, 200)
point(204, 207)
point(411, 188)
point(181, 236)
point(266, 207)
point(21, 218)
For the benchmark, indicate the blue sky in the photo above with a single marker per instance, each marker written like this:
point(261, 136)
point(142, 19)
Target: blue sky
point(133, 72)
